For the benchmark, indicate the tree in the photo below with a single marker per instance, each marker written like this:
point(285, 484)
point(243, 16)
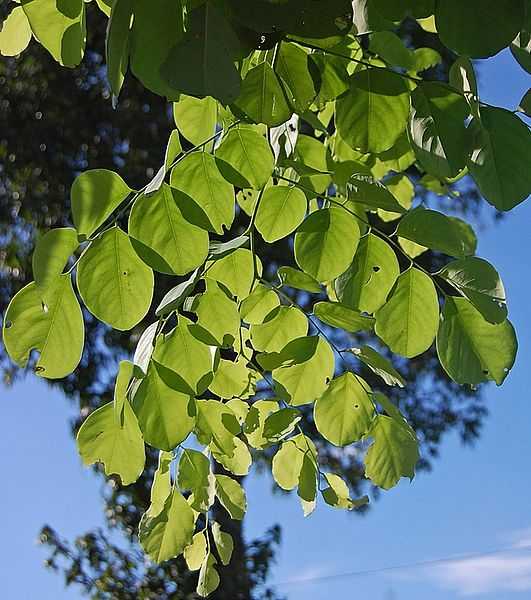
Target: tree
point(437, 140)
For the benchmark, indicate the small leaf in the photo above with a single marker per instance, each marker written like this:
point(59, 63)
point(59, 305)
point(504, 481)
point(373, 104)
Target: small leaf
point(341, 316)
point(337, 494)
point(283, 324)
point(281, 211)
point(15, 34)
point(208, 577)
point(299, 280)
point(195, 554)
point(379, 365)
point(232, 496)
point(224, 543)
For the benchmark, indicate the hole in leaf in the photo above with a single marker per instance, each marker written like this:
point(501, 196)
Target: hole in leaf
point(376, 268)
point(39, 369)
point(124, 273)
point(8, 324)
point(505, 370)
point(327, 380)
point(485, 372)
point(356, 406)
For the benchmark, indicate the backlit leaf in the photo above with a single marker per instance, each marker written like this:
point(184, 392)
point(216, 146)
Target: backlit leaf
point(281, 211)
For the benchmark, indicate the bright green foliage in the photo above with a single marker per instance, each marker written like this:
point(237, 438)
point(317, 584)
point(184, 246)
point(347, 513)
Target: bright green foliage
point(312, 137)
point(161, 235)
point(52, 325)
point(95, 195)
point(119, 446)
point(344, 412)
point(408, 322)
point(325, 243)
point(115, 284)
point(472, 350)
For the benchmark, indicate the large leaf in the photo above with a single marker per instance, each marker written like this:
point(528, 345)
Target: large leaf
point(213, 197)
point(15, 34)
point(119, 446)
point(437, 231)
point(393, 454)
point(287, 462)
point(373, 115)
point(167, 534)
point(479, 281)
point(217, 426)
point(479, 28)
point(232, 379)
point(59, 27)
point(307, 367)
point(408, 322)
point(162, 237)
point(367, 282)
point(326, 242)
point(244, 158)
point(95, 195)
point(165, 415)
point(498, 163)
point(280, 212)
point(283, 324)
point(195, 118)
point(202, 63)
point(344, 412)
point(472, 350)
point(236, 271)
point(260, 302)
point(262, 97)
point(194, 475)
point(295, 70)
point(53, 326)
point(436, 128)
point(51, 254)
point(114, 283)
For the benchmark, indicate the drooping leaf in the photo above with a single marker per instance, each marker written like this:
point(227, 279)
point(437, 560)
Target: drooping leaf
point(471, 349)
point(343, 414)
point(161, 486)
point(125, 374)
point(325, 243)
point(145, 346)
point(260, 302)
point(195, 554)
point(177, 295)
point(408, 321)
point(208, 577)
point(498, 162)
point(15, 34)
point(95, 195)
point(51, 254)
point(195, 118)
point(255, 422)
point(217, 425)
point(236, 271)
point(294, 68)
point(194, 474)
point(198, 176)
point(283, 324)
point(307, 488)
point(372, 194)
point(479, 281)
point(287, 462)
point(280, 212)
point(342, 316)
point(239, 463)
point(173, 149)
point(337, 494)
point(232, 496)
point(299, 280)
point(373, 115)
point(53, 326)
point(119, 447)
point(113, 282)
point(379, 365)
point(224, 543)
point(117, 43)
point(161, 235)
point(367, 282)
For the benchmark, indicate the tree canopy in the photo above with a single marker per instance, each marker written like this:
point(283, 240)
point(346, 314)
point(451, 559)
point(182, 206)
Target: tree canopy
point(312, 126)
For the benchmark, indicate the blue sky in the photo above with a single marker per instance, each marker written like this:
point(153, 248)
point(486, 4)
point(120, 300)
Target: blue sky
point(475, 500)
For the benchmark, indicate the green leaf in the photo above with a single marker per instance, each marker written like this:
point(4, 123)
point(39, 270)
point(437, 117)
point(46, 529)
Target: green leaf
point(283, 324)
point(334, 77)
point(208, 49)
point(397, 10)
point(476, 28)
point(167, 534)
point(393, 454)
point(391, 49)
point(280, 212)
point(326, 242)
point(479, 281)
point(165, 415)
point(208, 577)
point(436, 128)
point(244, 158)
point(15, 34)
point(307, 367)
point(262, 97)
point(239, 463)
point(95, 195)
point(240, 408)
point(341, 316)
point(162, 237)
point(186, 356)
point(232, 379)
point(224, 543)
point(344, 412)
point(145, 346)
point(59, 27)
point(472, 350)
point(198, 176)
point(255, 422)
point(372, 194)
point(287, 462)
point(378, 364)
point(403, 190)
point(408, 322)
point(312, 156)
point(195, 118)
point(161, 486)
point(232, 496)
point(51, 254)
point(299, 280)
point(434, 230)
point(367, 282)
point(115, 285)
point(218, 322)
point(425, 58)
point(521, 49)
point(119, 447)
point(218, 250)
point(307, 488)
point(260, 302)
point(125, 374)
point(236, 271)
point(498, 162)
point(173, 149)
point(217, 426)
point(196, 553)
point(53, 326)
point(373, 115)
point(337, 494)
point(194, 475)
point(281, 423)
point(174, 299)
point(295, 70)
point(117, 43)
